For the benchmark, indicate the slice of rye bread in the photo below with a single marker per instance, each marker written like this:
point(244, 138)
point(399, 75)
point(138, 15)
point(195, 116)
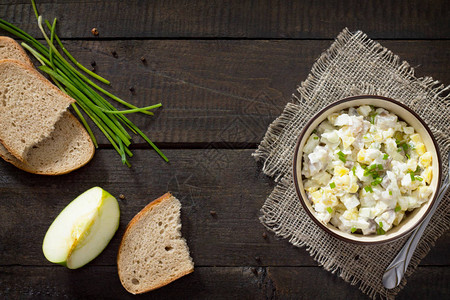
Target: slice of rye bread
point(10, 49)
point(30, 106)
point(152, 252)
point(68, 148)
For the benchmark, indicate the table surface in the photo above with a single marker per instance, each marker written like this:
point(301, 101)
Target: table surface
point(223, 73)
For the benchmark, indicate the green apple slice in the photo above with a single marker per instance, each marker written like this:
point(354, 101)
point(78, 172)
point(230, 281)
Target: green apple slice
point(83, 229)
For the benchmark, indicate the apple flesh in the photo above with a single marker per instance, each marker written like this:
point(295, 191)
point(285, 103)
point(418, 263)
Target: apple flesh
point(83, 229)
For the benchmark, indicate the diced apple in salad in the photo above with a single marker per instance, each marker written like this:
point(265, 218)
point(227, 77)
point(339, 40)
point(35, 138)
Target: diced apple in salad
point(363, 169)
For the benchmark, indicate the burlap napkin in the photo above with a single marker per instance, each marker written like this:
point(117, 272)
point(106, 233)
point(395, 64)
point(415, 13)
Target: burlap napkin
point(353, 65)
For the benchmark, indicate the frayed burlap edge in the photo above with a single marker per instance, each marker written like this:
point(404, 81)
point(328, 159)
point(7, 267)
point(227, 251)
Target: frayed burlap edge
point(269, 145)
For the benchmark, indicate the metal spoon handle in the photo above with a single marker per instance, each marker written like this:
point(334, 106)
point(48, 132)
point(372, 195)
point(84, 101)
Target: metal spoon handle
point(395, 271)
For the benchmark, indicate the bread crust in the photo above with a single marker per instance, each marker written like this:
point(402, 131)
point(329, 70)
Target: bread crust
point(130, 225)
point(45, 82)
point(25, 167)
point(7, 40)
point(20, 56)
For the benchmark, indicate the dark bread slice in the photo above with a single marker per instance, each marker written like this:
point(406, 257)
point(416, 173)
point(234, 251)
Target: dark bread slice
point(68, 148)
point(30, 106)
point(10, 49)
point(152, 252)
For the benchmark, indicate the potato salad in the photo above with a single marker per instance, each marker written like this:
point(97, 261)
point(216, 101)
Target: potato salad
point(363, 169)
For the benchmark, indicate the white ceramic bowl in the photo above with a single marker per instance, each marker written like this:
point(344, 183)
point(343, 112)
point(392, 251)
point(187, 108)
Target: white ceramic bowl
point(413, 218)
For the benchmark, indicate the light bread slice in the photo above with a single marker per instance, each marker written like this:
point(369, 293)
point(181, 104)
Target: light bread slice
point(68, 147)
point(10, 49)
point(29, 107)
point(152, 252)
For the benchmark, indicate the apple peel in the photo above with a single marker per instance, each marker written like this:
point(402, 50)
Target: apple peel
point(83, 229)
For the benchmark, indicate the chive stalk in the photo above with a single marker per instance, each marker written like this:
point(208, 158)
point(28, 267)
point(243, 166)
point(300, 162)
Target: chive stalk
point(105, 116)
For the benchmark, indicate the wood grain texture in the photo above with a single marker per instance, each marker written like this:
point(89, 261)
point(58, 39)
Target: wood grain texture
point(228, 182)
point(237, 19)
point(52, 282)
point(223, 71)
point(221, 91)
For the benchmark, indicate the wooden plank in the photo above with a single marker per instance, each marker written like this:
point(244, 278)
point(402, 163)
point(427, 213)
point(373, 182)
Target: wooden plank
point(236, 19)
point(221, 282)
point(297, 282)
point(228, 182)
point(222, 92)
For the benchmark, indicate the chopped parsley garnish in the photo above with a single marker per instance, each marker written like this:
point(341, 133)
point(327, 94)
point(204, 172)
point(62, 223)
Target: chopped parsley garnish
point(329, 210)
point(386, 156)
point(353, 229)
point(332, 185)
point(342, 156)
point(368, 189)
point(398, 208)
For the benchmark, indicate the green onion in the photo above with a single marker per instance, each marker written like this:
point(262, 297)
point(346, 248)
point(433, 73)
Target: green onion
point(353, 229)
point(332, 185)
point(368, 189)
point(413, 178)
point(390, 193)
point(372, 116)
point(398, 208)
point(407, 155)
point(329, 210)
point(386, 156)
point(372, 167)
point(380, 167)
point(354, 170)
point(380, 230)
point(377, 181)
point(69, 79)
point(129, 111)
point(316, 137)
point(418, 178)
point(342, 156)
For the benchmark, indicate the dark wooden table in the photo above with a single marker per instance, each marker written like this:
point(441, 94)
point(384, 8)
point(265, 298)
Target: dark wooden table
point(223, 72)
